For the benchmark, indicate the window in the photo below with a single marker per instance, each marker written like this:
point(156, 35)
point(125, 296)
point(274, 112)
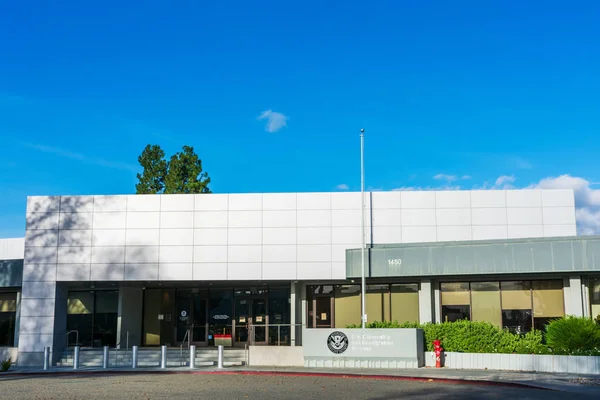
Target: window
point(378, 303)
point(485, 302)
point(517, 321)
point(456, 301)
point(405, 302)
point(548, 302)
point(80, 318)
point(279, 313)
point(455, 313)
point(8, 313)
point(93, 315)
point(347, 305)
point(105, 318)
point(320, 306)
point(516, 306)
point(220, 309)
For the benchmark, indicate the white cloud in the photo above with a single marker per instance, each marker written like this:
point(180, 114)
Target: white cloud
point(342, 186)
point(451, 178)
point(275, 120)
point(504, 182)
point(83, 158)
point(425, 188)
point(445, 177)
point(587, 200)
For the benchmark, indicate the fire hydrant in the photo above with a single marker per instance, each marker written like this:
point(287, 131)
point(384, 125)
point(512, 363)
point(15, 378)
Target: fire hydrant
point(437, 348)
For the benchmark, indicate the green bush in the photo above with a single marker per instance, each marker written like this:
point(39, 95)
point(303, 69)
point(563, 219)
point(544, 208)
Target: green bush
point(597, 319)
point(577, 336)
point(532, 343)
point(5, 365)
point(472, 337)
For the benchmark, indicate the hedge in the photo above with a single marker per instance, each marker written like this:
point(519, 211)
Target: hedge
point(473, 337)
point(578, 336)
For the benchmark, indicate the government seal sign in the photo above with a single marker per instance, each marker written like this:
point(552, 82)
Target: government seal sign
point(337, 342)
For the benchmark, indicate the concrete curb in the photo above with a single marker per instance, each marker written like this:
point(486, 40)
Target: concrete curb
point(455, 381)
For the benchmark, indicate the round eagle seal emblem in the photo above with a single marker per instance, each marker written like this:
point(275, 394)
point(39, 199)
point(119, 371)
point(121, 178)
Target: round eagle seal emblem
point(337, 342)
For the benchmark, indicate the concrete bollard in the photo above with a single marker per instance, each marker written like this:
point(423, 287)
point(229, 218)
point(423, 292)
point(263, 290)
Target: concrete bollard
point(46, 358)
point(105, 357)
point(76, 357)
point(192, 356)
point(220, 356)
point(134, 356)
point(163, 357)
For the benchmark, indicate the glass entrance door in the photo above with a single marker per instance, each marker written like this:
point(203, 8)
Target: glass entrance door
point(259, 321)
point(242, 319)
point(198, 330)
point(251, 320)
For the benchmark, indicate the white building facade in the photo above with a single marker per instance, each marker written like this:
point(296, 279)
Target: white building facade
point(160, 269)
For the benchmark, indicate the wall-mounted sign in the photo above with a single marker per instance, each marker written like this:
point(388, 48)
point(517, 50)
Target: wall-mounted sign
point(220, 316)
point(183, 313)
point(259, 318)
point(394, 262)
point(337, 342)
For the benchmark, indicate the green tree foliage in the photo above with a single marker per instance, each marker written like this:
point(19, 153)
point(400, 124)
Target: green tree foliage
point(152, 179)
point(181, 174)
point(574, 336)
point(185, 174)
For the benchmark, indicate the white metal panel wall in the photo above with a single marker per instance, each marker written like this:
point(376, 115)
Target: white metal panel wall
point(12, 249)
point(283, 236)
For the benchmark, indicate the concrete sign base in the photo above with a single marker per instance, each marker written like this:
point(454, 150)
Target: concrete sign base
point(358, 348)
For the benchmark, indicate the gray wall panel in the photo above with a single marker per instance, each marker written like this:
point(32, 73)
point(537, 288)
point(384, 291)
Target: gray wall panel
point(506, 257)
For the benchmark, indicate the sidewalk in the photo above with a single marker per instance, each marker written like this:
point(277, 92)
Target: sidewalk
point(571, 383)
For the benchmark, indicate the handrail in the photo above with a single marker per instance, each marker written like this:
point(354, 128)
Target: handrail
point(187, 335)
point(76, 337)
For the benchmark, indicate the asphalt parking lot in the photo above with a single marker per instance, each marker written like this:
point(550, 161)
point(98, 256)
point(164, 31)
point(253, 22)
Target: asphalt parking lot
point(230, 387)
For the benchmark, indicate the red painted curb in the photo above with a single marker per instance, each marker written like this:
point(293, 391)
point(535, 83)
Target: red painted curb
point(455, 381)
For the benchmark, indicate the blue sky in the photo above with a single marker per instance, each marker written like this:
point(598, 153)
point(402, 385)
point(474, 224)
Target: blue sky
point(501, 94)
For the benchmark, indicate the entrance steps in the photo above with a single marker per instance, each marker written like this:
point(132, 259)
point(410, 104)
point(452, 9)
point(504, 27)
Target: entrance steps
point(150, 357)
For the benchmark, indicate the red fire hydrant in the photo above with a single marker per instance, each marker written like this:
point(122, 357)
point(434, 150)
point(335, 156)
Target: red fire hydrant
point(437, 348)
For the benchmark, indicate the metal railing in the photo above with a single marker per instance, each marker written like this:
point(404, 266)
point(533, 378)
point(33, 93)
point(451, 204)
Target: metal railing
point(76, 337)
point(187, 336)
point(274, 334)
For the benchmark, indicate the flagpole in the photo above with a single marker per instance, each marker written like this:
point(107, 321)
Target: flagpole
point(362, 227)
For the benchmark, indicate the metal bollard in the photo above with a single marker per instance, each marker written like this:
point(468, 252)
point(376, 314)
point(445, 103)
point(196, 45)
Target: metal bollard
point(220, 357)
point(163, 356)
point(105, 358)
point(192, 356)
point(76, 357)
point(134, 356)
point(46, 358)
